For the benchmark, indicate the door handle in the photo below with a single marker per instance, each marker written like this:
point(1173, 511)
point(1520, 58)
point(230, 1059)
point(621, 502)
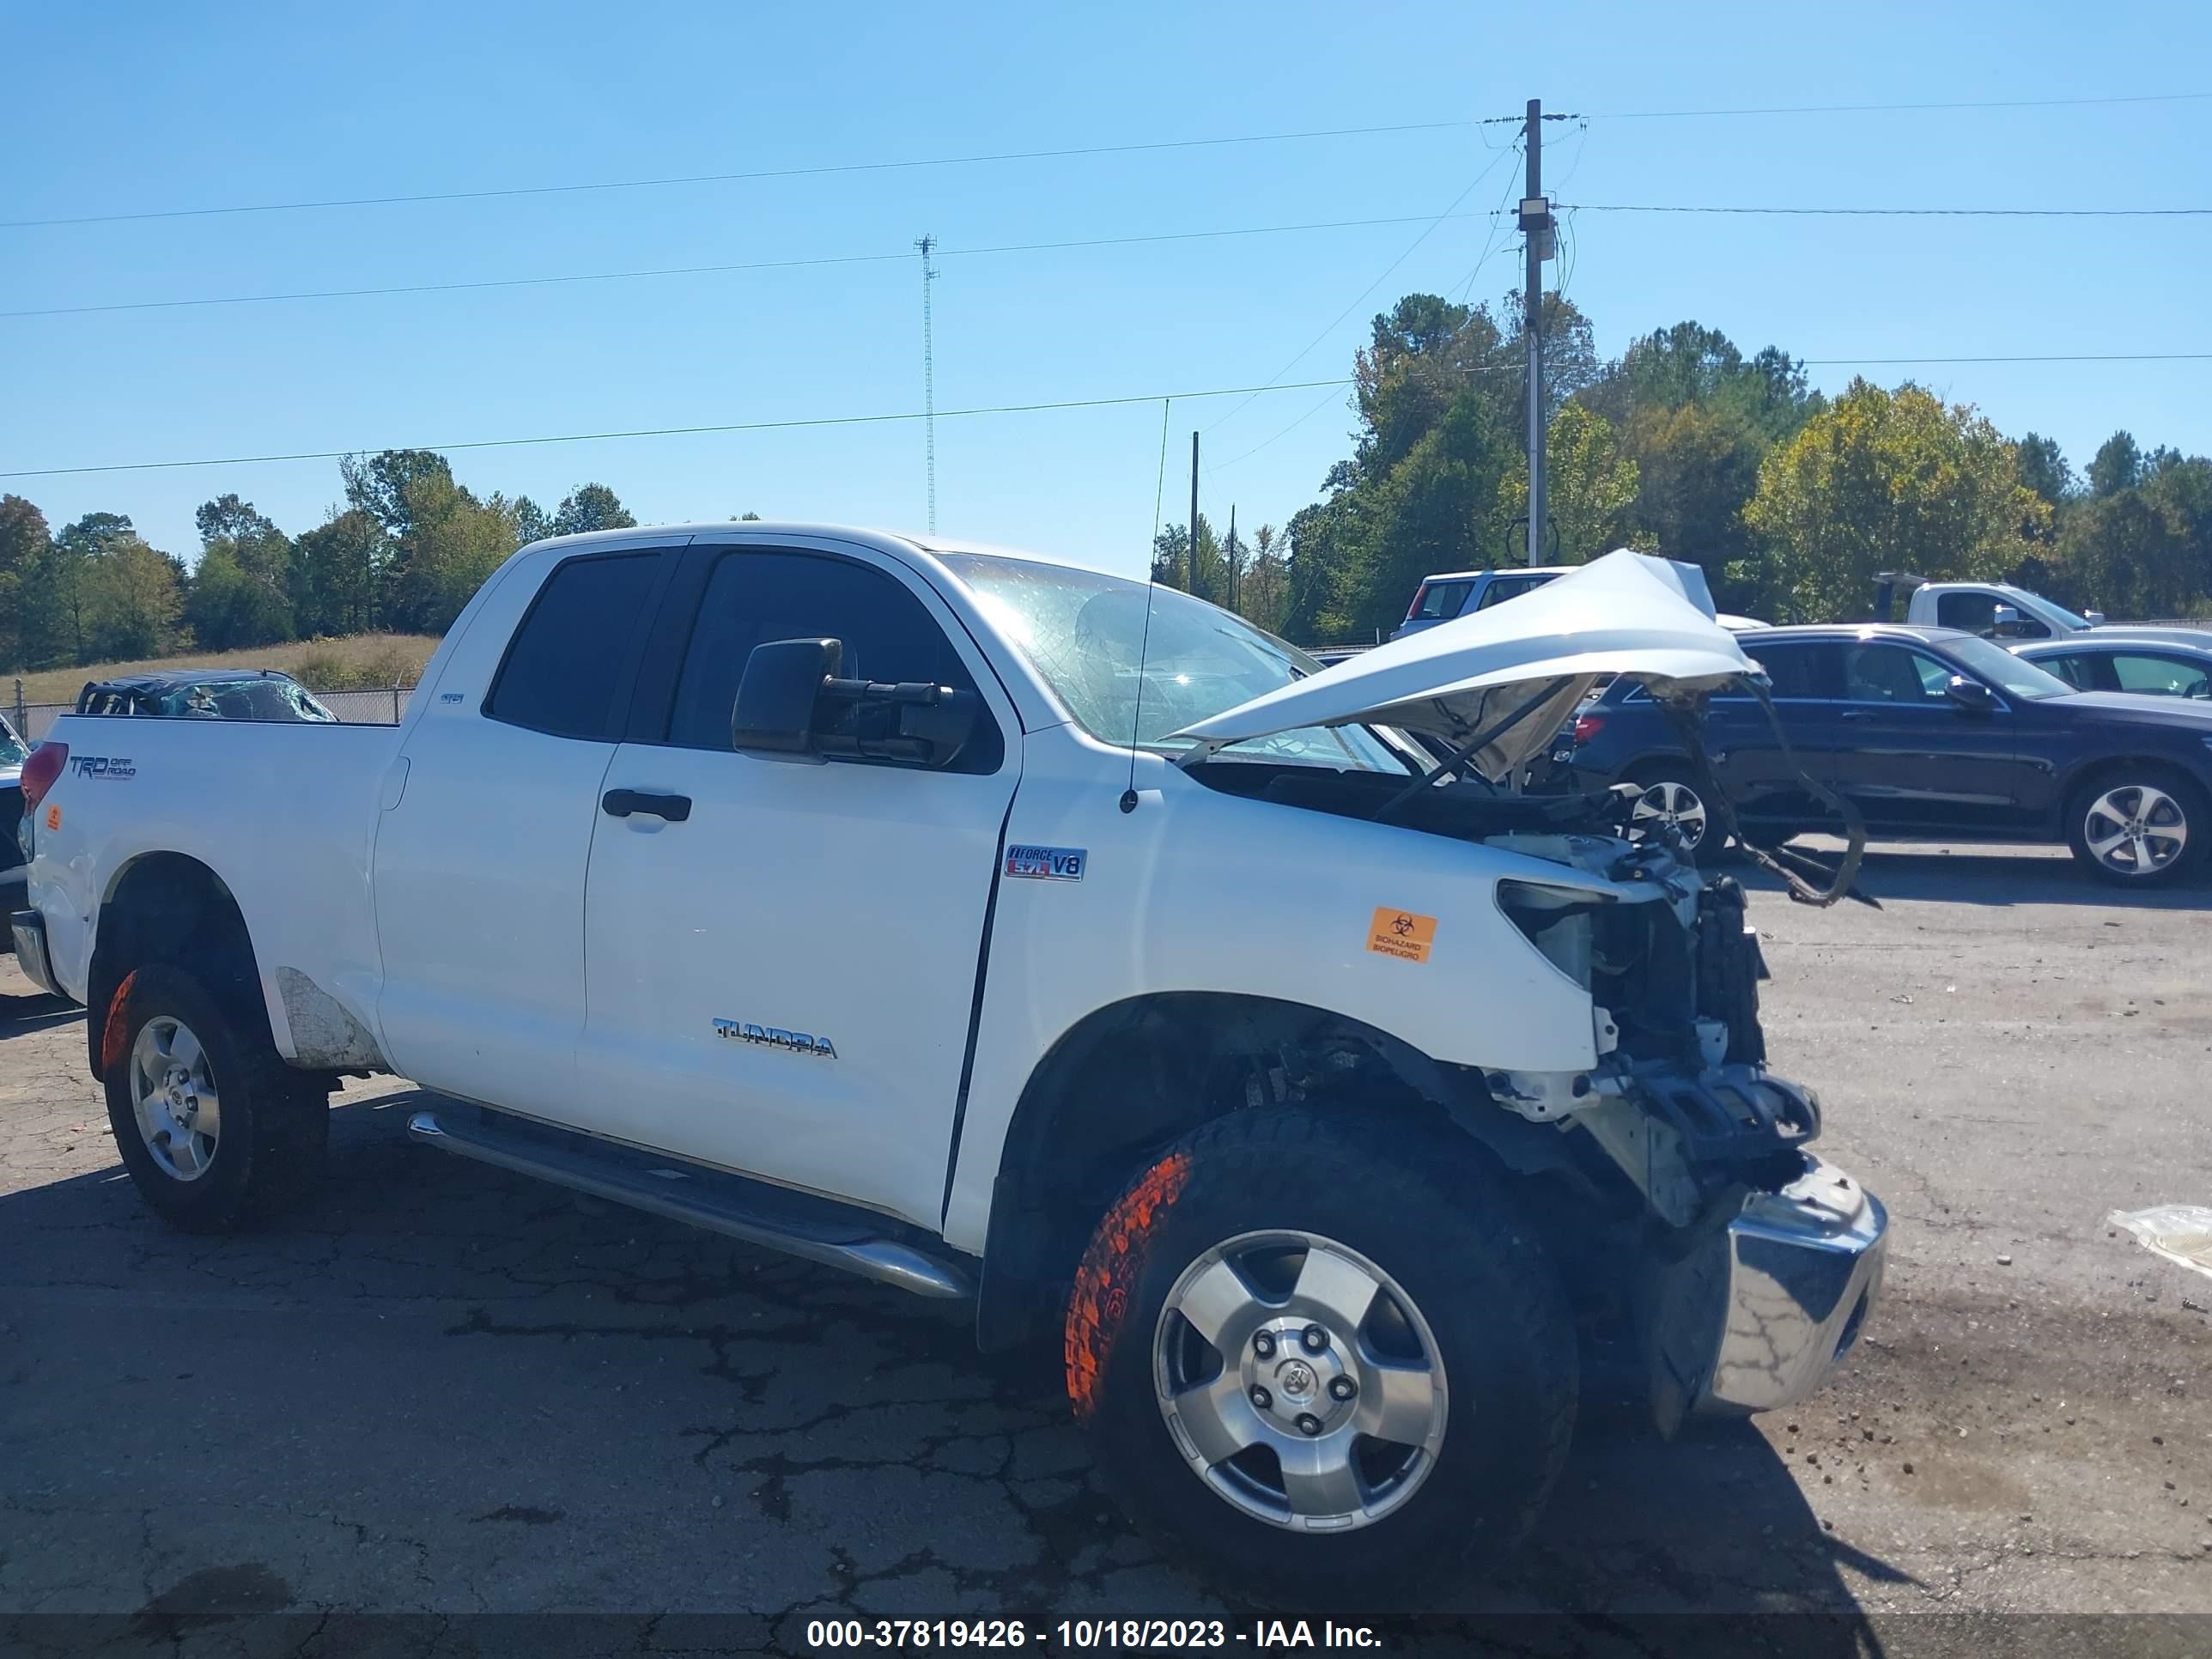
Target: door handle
point(621, 803)
point(1861, 715)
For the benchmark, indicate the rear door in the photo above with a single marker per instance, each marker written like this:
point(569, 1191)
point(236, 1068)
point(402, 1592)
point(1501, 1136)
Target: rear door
point(1764, 778)
point(781, 956)
point(482, 847)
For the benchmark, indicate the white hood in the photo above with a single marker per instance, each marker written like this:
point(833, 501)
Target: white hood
point(1626, 613)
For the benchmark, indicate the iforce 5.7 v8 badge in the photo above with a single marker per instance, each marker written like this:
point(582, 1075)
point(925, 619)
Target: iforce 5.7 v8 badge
point(1047, 863)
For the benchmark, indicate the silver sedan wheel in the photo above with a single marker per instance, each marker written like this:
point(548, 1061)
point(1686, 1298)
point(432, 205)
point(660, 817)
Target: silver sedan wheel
point(173, 1095)
point(1674, 804)
point(1300, 1382)
point(2136, 829)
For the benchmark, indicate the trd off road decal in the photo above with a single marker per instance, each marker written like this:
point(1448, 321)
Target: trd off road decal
point(103, 766)
point(1047, 863)
point(1400, 933)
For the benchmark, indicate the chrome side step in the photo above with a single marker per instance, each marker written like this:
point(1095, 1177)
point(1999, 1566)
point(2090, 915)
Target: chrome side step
point(673, 1195)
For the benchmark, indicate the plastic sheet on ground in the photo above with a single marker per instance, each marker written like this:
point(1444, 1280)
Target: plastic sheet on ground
point(2180, 1232)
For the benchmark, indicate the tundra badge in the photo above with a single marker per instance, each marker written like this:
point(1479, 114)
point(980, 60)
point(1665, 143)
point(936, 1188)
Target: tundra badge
point(774, 1036)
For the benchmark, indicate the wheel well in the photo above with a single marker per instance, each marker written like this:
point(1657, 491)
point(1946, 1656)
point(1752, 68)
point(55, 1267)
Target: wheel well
point(2092, 773)
point(1136, 1075)
point(167, 907)
point(1649, 768)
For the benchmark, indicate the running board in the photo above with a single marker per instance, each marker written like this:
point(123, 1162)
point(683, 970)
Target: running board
point(668, 1193)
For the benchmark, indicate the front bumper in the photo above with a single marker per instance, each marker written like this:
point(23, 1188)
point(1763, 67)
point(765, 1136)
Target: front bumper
point(1763, 1310)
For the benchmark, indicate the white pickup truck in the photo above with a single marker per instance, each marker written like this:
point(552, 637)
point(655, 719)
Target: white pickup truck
point(2002, 611)
point(806, 883)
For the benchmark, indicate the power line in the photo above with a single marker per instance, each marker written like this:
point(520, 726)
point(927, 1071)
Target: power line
point(1886, 109)
point(816, 171)
point(1024, 409)
point(723, 269)
point(1902, 212)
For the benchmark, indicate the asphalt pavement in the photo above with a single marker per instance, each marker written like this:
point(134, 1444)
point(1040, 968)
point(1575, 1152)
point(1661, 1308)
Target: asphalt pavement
point(446, 1391)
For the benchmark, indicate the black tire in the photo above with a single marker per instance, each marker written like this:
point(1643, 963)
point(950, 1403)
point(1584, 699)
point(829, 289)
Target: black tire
point(1420, 1207)
point(274, 1121)
point(2089, 817)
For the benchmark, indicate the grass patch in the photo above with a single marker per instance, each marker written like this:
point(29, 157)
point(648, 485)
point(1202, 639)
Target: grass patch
point(340, 665)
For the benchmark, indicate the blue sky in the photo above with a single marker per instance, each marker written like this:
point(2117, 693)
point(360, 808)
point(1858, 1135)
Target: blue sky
point(138, 107)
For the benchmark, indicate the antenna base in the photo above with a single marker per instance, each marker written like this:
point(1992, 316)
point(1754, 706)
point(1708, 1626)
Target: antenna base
point(1128, 800)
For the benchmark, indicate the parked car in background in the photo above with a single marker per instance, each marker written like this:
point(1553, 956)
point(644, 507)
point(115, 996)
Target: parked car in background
point(1462, 593)
point(13, 853)
point(2147, 665)
point(1934, 735)
point(2001, 611)
point(252, 694)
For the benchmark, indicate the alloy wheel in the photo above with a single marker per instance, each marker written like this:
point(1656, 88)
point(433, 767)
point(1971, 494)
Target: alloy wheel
point(1299, 1381)
point(172, 1095)
point(1675, 806)
point(2136, 829)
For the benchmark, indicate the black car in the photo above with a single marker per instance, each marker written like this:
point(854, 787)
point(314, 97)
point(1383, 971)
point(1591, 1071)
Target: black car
point(1934, 734)
point(13, 752)
point(249, 694)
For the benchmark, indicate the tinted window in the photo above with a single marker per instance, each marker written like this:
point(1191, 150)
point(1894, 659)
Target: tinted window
point(1794, 671)
point(1510, 587)
point(1976, 613)
point(1890, 673)
point(561, 669)
point(1439, 601)
point(753, 598)
point(2165, 676)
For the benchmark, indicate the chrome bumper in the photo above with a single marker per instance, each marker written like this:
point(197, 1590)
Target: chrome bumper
point(1760, 1313)
point(29, 929)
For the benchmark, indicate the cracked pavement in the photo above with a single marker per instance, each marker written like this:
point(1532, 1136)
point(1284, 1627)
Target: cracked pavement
point(445, 1390)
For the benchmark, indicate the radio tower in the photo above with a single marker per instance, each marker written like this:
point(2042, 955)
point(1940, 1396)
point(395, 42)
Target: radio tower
point(928, 376)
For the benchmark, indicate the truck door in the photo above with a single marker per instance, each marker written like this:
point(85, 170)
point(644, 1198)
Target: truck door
point(781, 957)
point(480, 860)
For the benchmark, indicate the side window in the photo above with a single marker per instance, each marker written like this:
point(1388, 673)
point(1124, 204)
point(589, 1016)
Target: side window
point(2166, 677)
point(1890, 673)
point(753, 598)
point(2078, 671)
point(1976, 613)
point(562, 663)
point(1794, 671)
point(1510, 587)
point(1440, 601)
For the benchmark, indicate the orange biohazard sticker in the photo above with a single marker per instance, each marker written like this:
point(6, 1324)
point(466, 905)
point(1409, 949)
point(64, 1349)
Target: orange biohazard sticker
point(53, 819)
point(1402, 934)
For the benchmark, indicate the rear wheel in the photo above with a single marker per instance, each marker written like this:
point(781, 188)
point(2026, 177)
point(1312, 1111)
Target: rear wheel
point(2138, 826)
point(1328, 1364)
point(216, 1131)
point(1671, 801)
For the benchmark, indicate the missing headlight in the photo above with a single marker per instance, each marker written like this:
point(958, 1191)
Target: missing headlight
point(1559, 921)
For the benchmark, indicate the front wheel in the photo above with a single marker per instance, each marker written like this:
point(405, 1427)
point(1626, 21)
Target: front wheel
point(2138, 828)
point(1323, 1359)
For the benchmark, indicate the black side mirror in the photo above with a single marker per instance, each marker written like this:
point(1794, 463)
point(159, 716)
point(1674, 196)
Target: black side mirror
point(791, 704)
point(779, 695)
point(1970, 697)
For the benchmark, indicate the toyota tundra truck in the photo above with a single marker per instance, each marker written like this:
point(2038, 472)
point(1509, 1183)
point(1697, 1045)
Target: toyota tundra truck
point(1000, 930)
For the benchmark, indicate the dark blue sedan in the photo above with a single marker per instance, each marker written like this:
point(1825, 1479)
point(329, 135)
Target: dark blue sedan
point(1935, 735)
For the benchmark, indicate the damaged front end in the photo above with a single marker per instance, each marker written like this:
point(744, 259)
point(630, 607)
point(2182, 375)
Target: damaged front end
point(1751, 1264)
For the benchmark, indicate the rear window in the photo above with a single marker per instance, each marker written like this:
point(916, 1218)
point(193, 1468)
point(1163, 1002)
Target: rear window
point(561, 667)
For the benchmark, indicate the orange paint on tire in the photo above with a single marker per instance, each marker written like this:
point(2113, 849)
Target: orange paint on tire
point(115, 1036)
point(1103, 1283)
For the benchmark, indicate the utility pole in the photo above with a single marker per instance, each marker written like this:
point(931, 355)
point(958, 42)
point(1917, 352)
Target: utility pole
point(1536, 231)
point(1228, 555)
point(1190, 570)
point(927, 244)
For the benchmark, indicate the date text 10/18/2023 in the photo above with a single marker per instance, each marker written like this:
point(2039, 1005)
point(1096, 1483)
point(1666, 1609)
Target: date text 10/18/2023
point(1086, 1635)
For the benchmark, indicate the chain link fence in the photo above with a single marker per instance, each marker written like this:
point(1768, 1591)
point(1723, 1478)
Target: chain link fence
point(375, 705)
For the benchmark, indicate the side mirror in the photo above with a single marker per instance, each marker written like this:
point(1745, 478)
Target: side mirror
point(774, 714)
point(792, 705)
point(1970, 697)
point(2004, 620)
point(2094, 618)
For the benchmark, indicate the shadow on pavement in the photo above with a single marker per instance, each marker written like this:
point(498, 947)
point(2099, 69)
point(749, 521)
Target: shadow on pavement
point(671, 1411)
point(33, 1011)
point(1983, 875)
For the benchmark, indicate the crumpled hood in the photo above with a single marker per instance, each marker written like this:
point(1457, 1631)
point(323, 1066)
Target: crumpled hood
point(1626, 613)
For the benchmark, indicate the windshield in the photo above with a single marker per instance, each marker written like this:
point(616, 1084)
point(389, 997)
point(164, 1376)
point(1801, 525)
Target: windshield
point(2006, 672)
point(2053, 608)
point(1085, 634)
point(260, 699)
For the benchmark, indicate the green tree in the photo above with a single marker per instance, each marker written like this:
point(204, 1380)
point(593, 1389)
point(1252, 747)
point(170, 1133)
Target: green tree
point(1590, 488)
point(133, 602)
point(339, 567)
point(240, 594)
point(1882, 480)
point(594, 507)
point(2117, 466)
point(2043, 468)
point(530, 523)
point(451, 542)
point(25, 617)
